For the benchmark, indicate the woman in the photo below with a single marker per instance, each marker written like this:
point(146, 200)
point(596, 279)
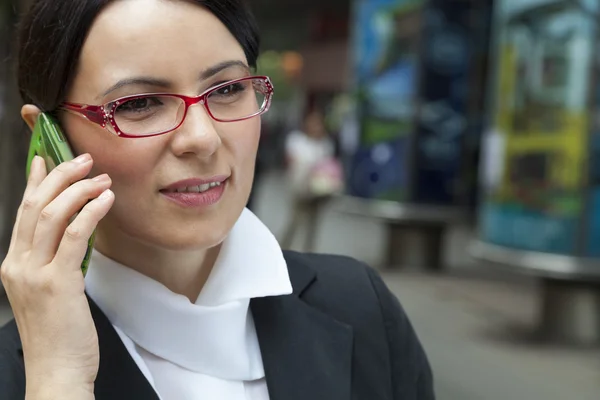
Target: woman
point(188, 295)
point(310, 151)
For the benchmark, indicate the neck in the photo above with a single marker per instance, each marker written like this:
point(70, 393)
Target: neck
point(182, 272)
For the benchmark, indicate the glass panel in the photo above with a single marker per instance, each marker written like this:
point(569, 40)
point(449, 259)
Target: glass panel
point(236, 101)
point(147, 115)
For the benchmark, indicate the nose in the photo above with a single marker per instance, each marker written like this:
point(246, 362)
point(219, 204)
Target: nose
point(197, 135)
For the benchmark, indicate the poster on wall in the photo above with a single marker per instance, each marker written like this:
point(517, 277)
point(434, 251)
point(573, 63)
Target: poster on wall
point(386, 51)
point(543, 66)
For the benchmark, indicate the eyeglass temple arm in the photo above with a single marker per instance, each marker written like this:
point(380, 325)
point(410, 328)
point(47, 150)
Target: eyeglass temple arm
point(93, 113)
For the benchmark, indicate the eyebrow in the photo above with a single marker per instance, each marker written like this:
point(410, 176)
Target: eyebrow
point(212, 71)
point(163, 83)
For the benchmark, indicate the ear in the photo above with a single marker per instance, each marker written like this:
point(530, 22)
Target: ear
point(30, 114)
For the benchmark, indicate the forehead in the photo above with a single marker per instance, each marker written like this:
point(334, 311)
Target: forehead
point(175, 40)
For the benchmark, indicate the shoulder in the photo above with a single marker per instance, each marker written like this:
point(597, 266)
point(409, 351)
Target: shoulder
point(354, 293)
point(347, 289)
point(12, 370)
point(335, 276)
point(342, 287)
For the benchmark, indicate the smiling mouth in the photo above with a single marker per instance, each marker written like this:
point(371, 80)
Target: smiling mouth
point(193, 195)
point(195, 189)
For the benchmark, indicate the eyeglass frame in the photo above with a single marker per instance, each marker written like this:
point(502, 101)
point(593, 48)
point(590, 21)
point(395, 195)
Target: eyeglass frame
point(99, 115)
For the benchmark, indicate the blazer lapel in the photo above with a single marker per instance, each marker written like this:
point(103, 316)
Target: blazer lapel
point(306, 353)
point(119, 377)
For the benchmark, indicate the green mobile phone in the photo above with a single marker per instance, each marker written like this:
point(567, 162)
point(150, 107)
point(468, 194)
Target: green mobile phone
point(49, 142)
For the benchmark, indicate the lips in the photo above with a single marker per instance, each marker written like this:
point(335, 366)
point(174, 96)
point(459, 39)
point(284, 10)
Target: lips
point(195, 185)
point(196, 194)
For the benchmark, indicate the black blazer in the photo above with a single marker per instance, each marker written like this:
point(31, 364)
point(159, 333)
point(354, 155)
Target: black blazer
point(341, 335)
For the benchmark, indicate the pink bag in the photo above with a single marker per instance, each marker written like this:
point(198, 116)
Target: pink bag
point(326, 178)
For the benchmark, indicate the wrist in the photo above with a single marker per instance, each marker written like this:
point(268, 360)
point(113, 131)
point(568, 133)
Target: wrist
point(57, 384)
point(58, 391)
point(61, 371)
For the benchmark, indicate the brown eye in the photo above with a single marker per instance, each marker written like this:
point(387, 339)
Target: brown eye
point(140, 104)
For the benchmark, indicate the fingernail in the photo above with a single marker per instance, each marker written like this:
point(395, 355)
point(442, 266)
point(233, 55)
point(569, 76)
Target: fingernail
point(106, 195)
point(82, 159)
point(40, 164)
point(101, 178)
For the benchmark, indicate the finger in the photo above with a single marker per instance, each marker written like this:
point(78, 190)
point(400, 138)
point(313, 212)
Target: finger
point(47, 190)
point(55, 217)
point(73, 245)
point(37, 174)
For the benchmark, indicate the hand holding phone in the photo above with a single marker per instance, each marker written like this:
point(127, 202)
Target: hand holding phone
point(49, 142)
point(41, 273)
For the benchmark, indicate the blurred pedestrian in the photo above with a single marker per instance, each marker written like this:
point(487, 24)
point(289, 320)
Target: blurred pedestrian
point(314, 176)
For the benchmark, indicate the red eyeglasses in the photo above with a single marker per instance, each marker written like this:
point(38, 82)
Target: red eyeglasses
point(159, 113)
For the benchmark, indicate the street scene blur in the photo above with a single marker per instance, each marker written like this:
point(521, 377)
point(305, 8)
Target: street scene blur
point(454, 145)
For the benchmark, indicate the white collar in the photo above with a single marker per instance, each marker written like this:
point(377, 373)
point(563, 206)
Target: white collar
point(214, 336)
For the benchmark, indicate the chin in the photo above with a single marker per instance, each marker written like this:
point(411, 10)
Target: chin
point(189, 240)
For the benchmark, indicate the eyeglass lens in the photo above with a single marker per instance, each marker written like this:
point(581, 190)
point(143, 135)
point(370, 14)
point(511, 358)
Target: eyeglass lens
point(148, 115)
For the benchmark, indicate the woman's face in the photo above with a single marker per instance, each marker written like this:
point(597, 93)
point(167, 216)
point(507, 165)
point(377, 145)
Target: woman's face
point(171, 45)
point(315, 126)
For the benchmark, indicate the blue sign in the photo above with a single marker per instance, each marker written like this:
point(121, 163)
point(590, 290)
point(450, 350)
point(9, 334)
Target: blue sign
point(516, 227)
point(385, 69)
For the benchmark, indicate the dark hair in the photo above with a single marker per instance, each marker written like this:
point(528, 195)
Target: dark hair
point(53, 32)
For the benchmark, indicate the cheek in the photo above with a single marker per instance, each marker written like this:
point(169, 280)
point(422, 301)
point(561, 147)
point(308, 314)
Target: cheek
point(243, 145)
point(126, 161)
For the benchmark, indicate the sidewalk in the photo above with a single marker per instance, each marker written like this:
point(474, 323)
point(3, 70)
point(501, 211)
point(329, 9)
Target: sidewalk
point(476, 335)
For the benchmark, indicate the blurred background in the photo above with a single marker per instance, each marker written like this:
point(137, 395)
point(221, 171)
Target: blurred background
point(452, 144)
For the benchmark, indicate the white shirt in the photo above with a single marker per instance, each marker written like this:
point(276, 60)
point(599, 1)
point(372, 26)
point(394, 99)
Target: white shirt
point(202, 350)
